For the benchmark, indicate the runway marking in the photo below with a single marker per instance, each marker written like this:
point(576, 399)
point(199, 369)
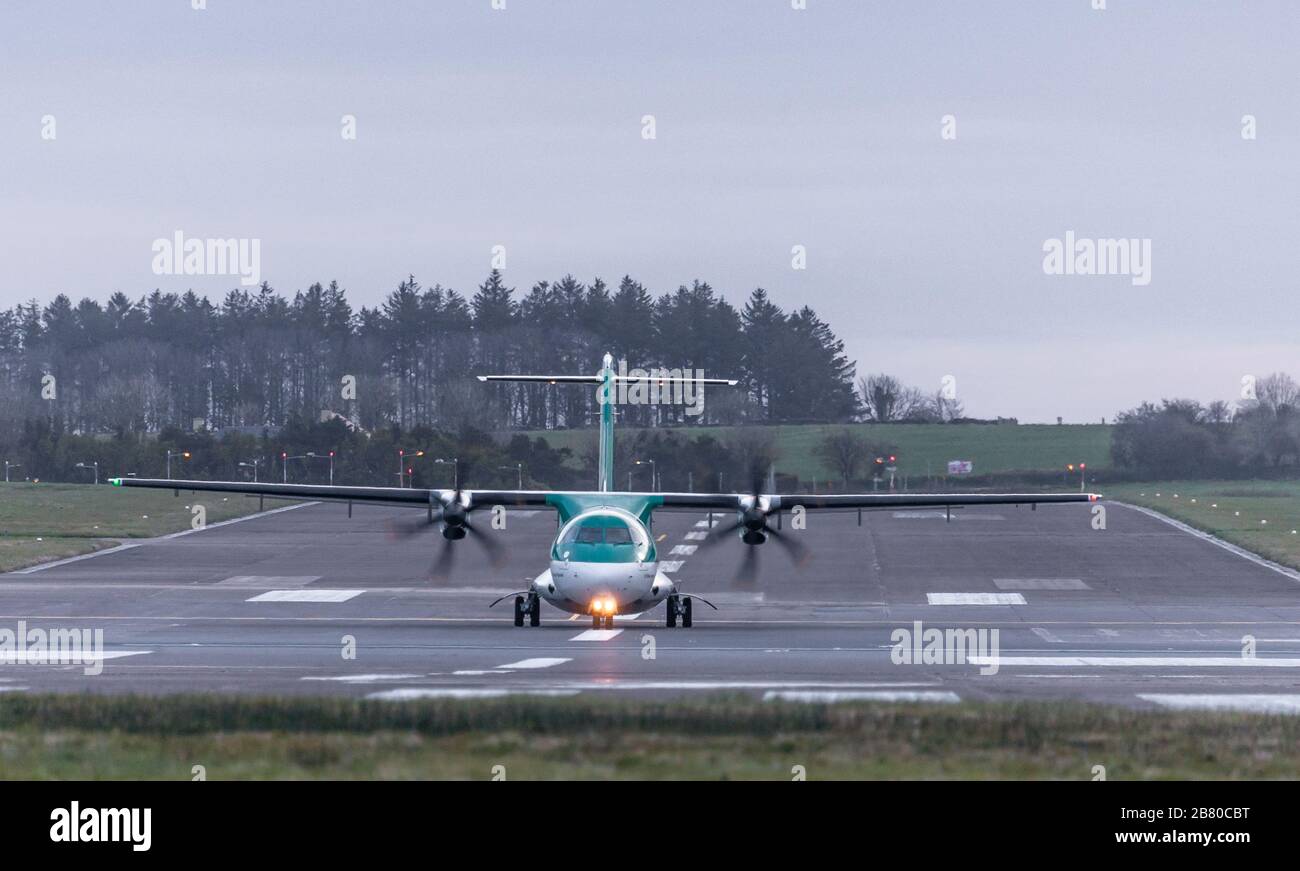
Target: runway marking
point(820, 697)
point(1040, 584)
point(1261, 703)
point(941, 515)
point(975, 598)
point(537, 662)
point(1217, 542)
point(628, 616)
point(670, 565)
point(701, 524)
point(684, 549)
point(22, 657)
point(1138, 661)
point(272, 581)
point(747, 685)
point(306, 596)
point(414, 694)
point(1046, 636)
point(365, 678)
point(121, 547)
point(597, 635)
point(696, 536)
point(478, 672)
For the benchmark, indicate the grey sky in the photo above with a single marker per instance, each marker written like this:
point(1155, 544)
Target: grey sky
point(775, 127)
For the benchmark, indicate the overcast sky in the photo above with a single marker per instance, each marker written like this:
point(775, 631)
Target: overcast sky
point(774, 127)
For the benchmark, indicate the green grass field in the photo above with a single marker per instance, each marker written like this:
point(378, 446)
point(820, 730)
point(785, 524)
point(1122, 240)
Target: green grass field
point(922, 449)
point(40, 522)
point(704, 738)
point(1261, 516)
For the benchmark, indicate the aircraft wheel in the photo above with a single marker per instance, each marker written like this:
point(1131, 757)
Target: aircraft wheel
point(671, 605)
point(686, 614)
point(595, 621)
point(535, 610)
point(519, 610)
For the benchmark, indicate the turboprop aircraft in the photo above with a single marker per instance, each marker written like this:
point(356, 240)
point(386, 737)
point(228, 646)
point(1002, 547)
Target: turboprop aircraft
point(603, 561)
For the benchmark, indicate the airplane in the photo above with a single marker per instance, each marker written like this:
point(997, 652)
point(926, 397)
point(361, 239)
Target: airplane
point(603, 561)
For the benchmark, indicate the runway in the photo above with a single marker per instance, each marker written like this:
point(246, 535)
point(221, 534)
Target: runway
point(308, 601)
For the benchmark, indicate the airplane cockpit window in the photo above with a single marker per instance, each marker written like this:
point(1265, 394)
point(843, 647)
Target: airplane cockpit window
point(589, 535)
point(618, 535)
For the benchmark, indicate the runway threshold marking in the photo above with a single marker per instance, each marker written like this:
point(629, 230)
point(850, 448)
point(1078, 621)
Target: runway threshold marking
point(597, 635)
point(1138, 661)
point(974, 598)
point(1261, 703)
point(306, 596)
point(821, 696)
point(537, 662)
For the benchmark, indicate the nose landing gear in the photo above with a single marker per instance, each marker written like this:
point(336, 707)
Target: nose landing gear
point(678, 606)
point(529, 606)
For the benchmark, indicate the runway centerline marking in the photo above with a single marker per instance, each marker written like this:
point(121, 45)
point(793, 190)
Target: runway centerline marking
point(597, 635)
point(537, 662)
point(975, 599)
point(683, 550)
point(333, 596)
point(1040, 584)
point(1046, 636)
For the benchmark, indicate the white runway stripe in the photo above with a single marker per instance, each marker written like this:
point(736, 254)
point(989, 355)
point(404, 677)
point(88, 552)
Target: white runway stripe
point(684, 550)
point(80, 657)
point(597, 635)
point(975, 598)
point(696, 536)
point(1262, 703)
point(823, 696)
point(1137, 661)
point(537, 662)
point(306, 596)
point(1040, 584)
point(365, 678)
point(414, 694)
point(670, 566)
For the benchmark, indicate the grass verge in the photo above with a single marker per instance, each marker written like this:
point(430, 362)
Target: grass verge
point(40, 522)
point(713, 738)
point(1261, 516)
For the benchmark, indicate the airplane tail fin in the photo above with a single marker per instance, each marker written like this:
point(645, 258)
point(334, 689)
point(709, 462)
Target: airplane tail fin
point(605, 380)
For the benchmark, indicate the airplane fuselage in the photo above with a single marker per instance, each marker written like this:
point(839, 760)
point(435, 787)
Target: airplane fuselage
point(603, 563)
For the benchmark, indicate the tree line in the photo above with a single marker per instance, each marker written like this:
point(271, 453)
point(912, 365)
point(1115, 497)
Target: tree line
point(260, 359)
point(1182, 438)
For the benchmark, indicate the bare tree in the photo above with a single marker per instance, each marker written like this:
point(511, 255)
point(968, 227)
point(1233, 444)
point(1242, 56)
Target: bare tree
point(843, 450)
point(1276, 391)
point(885, 398)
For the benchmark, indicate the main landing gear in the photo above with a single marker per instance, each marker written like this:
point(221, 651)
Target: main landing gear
point(678, 606)
point(529, 606)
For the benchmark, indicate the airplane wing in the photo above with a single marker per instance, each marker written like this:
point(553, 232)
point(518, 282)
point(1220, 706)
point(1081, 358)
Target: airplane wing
point(769, 503)
point(417, 497)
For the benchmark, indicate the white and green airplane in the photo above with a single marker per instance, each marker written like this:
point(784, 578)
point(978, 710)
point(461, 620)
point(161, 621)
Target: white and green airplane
point(604, 561)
